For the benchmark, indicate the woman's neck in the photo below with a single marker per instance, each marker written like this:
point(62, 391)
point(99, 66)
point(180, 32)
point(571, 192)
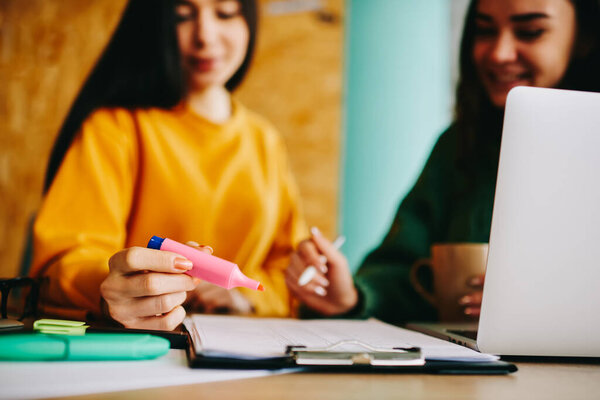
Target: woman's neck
point(213, 103)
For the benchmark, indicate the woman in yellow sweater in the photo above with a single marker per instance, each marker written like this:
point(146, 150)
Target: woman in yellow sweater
point(155, 145)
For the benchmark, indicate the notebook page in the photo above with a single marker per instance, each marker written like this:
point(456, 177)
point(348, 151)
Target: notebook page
point(257, 338)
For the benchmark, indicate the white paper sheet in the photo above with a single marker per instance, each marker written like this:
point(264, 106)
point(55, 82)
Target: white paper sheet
point(27, 380)
point(269, 337)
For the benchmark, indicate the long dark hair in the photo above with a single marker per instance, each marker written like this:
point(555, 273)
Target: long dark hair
point(140, 68)
point(475, 113)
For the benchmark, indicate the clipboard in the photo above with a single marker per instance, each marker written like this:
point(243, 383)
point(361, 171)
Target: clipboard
point(368, 356)
point(368, 359)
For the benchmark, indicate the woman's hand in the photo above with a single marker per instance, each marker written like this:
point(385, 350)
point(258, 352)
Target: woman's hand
point(472, 301)
point(331, 290)
point(145, 288)
point(212, 299)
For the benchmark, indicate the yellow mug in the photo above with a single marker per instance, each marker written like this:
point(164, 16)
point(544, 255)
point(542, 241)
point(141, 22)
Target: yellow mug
point(451, 264)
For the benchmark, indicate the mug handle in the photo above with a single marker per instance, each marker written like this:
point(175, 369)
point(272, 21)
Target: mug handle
point(414, 280)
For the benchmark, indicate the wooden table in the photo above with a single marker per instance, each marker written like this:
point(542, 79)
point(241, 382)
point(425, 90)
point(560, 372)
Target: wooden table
point(534, 380)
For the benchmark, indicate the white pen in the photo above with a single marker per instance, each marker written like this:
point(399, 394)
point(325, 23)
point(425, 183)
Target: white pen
point(309, 273)
point(337, 244)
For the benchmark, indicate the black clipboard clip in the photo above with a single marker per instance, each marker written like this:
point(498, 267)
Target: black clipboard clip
point(367, 355)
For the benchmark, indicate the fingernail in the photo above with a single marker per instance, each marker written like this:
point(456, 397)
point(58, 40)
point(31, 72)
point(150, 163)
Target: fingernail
point(182, 264)
point(321, 291)
point(196, 281)
point(323, 264)
point(475, 281)
point(324, 282)
point(307, 276)
point(208, 247)
point(465, 300)
point(315, 231)
point(192, 243)
point(469, 311)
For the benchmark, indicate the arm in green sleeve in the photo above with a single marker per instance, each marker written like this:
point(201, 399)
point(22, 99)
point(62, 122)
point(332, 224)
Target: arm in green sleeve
point(383, 278)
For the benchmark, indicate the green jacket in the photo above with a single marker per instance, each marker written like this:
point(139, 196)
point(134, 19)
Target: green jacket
point(451, 202)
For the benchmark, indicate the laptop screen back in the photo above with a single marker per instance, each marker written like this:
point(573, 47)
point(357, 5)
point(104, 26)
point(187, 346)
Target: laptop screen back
point(542, 288)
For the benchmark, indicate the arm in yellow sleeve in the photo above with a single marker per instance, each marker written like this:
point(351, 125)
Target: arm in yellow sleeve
point(276, 301)
point(83, 217)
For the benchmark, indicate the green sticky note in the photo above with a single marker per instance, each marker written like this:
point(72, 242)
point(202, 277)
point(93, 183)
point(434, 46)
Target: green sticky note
point(63, 331)
point(59, 326)
point(57, 322)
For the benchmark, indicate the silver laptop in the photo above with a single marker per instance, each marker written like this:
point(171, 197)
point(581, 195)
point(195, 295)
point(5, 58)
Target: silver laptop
point(542, 288)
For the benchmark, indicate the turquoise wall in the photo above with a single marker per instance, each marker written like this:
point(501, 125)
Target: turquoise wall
point(397, 102)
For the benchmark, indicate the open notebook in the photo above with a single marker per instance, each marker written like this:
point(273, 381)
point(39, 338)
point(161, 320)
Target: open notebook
point(244, 342)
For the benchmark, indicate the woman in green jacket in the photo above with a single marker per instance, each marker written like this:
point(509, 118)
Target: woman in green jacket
point(506, 43)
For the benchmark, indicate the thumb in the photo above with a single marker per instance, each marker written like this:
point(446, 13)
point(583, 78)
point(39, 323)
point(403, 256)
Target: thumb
point(326, 247)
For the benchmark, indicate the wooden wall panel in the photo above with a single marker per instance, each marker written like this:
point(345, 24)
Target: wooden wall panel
point(296, 82)
point(47, 48)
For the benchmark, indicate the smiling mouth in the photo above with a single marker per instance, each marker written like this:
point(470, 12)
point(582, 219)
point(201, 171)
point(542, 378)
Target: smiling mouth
point(203, 64)
point(508, 79)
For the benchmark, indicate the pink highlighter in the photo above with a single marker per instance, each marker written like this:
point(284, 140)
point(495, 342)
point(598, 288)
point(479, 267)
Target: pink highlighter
point(207, 267)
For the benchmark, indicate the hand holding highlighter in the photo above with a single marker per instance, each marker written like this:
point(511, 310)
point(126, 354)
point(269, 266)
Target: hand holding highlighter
point(207, 267)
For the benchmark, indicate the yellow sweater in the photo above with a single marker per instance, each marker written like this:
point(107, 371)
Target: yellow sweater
point(132, 174)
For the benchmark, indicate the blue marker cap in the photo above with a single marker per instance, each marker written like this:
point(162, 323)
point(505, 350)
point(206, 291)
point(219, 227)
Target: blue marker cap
point(155, 242)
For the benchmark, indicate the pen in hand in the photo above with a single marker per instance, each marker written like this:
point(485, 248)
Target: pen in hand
point(309, 273)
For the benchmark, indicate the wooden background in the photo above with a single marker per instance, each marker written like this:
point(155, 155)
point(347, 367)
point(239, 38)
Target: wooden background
point(47, 48)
